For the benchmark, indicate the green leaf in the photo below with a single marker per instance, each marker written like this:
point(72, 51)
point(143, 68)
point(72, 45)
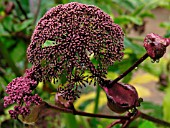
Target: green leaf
point(137, 49)
point(147, 14)
point(167, 35)
point(89, 2)
point(123, 19)
point(154, 110)
point(18, 53)
point(70, 121)
point(150, 67)
point(166, 105)
point(3, 32)
point(147, 124)
point(138, 10)
point(7, 23)
point(165, 25)
point(21, 26)
point(8, 42)
point(127, 4)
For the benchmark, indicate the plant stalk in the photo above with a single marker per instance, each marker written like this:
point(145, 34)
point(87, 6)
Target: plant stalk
point(131, 68)
point(81, 113)
point(75, 112)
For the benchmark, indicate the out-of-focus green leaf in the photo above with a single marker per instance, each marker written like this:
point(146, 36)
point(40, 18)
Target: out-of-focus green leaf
point(147, 124)
point(111, 75)
point(21, 26)
point(138, 80)
point(19, 52)
point(7, 42)
point(165, 25)
point(147, 14)
point(167, 35)
point(71, 121)
point(154, 110)
point(144, 78)
point(123, 19)
point(166, 105)
point(127, 4)
point(90, 2)
point(148, 66)
point(7, 23)
point(3, 32)
point(138, 10)
point(91, 96)
point(137, 49)
point(127, 78)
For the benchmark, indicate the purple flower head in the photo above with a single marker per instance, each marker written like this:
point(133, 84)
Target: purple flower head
point(68, 35)
point(20, 91)
point(155, 45)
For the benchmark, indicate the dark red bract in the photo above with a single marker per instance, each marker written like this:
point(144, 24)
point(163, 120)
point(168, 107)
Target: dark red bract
point(121, 97)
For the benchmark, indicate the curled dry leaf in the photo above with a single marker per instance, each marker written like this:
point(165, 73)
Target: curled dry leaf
point(60, 101)
point(35, 112)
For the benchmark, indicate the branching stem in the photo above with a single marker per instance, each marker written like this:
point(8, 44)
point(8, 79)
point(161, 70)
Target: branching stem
point(81, 113)
point(75, 112)
point(153, 119)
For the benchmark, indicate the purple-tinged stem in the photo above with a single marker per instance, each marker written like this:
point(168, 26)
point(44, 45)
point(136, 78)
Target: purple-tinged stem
point(131, 68)
point(140, 114)
point(75, 112)
point(153, 119)
point(21, 8)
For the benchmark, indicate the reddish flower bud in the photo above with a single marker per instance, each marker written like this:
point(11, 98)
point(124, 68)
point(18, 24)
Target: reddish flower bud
point(155, 45)
point(121, 97)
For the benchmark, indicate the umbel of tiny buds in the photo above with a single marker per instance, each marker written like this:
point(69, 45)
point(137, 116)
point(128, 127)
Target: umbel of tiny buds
point(155, 45)
point(66, 38)
point(76, 31)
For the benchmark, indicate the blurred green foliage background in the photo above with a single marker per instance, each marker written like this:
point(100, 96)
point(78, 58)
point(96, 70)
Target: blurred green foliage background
point(17, 21)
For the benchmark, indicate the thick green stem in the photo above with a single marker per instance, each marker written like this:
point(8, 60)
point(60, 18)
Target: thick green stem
point(70, 121)
point(97, 99)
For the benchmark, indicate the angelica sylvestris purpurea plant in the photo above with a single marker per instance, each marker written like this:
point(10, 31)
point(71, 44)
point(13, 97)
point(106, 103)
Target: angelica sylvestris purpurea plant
point(63, 44)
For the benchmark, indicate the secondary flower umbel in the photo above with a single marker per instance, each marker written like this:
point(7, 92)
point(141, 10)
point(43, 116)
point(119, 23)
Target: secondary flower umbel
point(20, 91)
